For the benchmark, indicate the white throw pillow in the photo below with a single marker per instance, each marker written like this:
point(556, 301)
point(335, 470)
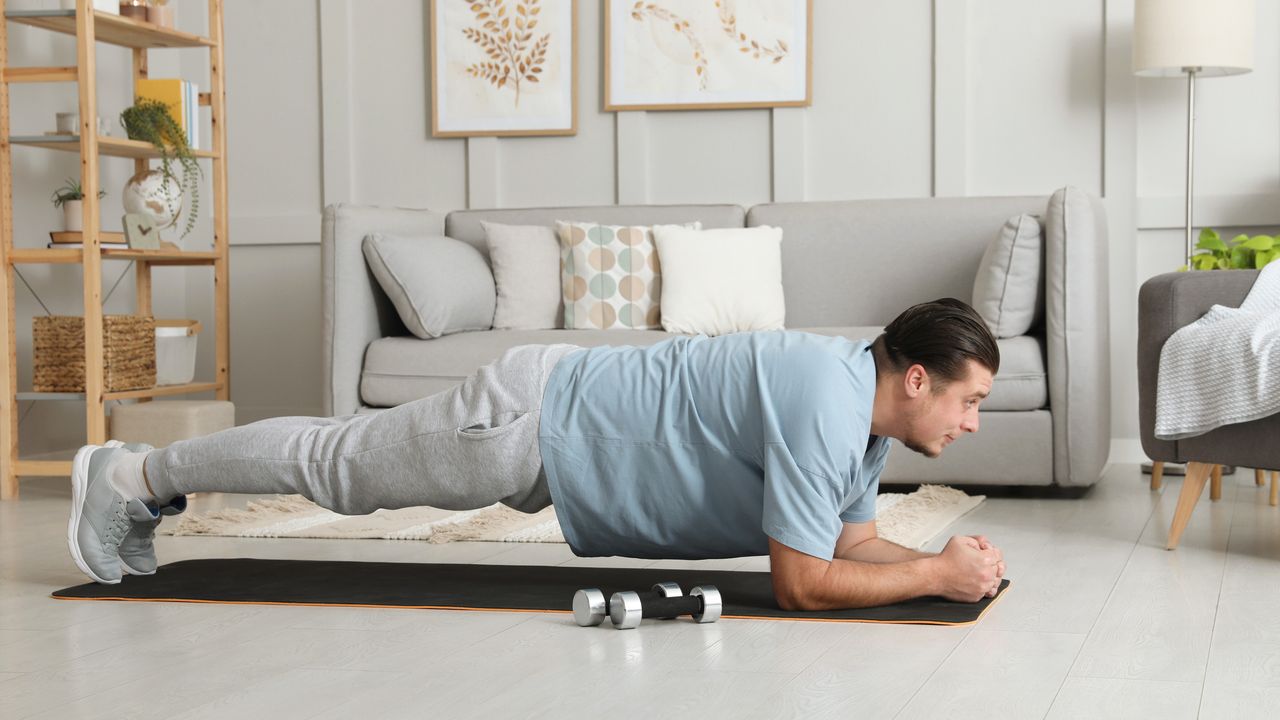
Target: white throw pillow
point(438, 285)
point(526, 271)
point(720, 281)
point(1008, 291)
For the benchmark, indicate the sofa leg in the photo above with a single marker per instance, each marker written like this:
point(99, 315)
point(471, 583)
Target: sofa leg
point(1215, 487)
point(1157, 474)
point(1275, 487)
point(1259, 477)
point(1192, 487)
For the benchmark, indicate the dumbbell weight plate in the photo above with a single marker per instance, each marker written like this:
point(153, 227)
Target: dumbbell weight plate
point(589, 607)
point(711, 603)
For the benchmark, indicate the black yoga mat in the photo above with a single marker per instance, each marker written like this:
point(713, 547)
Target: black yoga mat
point(475, 587)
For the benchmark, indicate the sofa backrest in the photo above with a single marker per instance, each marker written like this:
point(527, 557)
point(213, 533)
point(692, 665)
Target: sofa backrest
point(465, 224)
point(861, 262)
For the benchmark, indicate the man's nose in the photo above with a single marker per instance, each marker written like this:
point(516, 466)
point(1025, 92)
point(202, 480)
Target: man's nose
point(970, 423)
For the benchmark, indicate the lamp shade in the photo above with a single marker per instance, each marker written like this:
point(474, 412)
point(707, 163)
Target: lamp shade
point(1215, 36)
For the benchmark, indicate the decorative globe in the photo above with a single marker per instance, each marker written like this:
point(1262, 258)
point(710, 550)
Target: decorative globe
point(152, 193)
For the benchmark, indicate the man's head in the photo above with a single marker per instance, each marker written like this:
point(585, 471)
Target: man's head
point(934, 365)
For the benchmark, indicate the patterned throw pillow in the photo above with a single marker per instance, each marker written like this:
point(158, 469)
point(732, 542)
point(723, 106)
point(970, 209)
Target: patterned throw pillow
point(611, 276)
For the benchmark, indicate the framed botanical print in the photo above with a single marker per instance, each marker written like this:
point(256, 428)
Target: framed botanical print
point(503, 67)
point(699, 54)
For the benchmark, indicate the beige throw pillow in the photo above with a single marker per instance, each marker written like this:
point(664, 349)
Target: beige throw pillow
point(721, 281)
point(611, 276)
point(526, 272)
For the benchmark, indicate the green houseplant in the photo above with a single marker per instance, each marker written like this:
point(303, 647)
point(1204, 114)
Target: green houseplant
point(69, 197)
point(150, 121)
point(1242, 252)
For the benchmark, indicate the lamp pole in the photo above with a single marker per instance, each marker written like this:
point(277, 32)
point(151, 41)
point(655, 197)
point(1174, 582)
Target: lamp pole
point(1191, 135)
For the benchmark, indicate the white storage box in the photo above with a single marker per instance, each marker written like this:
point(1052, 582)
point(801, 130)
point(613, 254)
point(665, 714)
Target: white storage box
point(176, 351)
point(163, 422)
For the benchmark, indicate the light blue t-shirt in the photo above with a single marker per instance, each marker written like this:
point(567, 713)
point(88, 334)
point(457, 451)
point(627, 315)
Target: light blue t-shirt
point(704, 447)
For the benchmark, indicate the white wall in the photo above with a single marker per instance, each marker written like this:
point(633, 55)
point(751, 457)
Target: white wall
point(328, 101)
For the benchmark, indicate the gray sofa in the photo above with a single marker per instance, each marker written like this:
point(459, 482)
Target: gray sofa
point(848, 269)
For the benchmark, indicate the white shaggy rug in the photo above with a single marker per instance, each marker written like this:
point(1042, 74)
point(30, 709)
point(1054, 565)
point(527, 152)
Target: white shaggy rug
point(910, 520)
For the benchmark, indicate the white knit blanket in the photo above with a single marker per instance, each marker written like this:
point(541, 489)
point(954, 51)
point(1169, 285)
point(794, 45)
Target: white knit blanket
point(1223, 368)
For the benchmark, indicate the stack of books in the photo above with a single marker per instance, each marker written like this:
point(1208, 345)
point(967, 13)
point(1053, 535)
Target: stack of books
point(182, 98)
point(75, 239)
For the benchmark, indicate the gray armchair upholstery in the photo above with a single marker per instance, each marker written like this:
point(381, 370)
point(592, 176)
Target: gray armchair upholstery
point(1167, 303)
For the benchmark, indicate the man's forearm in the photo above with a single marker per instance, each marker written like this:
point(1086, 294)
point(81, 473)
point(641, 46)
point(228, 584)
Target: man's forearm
point(879, 550)
point(855, 584)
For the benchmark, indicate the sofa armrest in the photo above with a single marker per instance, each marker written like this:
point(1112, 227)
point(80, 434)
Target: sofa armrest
point(1165, 304)
point(1077, 335)
point(356, 312)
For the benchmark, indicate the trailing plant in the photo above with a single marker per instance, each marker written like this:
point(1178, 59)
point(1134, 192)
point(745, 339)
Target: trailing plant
point(69, 191)
point(150, 121)
point(1242, 252)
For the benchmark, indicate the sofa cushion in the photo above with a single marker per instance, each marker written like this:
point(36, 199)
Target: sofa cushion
point(1008, 290)
point(401, 369)
point(610, 275)
point(437, 284)
point(721, 281)
point(526, 272)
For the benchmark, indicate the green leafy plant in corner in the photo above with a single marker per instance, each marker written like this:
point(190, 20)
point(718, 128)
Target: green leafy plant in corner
point(69, 191)
point(1242, 252)
point(150, 121)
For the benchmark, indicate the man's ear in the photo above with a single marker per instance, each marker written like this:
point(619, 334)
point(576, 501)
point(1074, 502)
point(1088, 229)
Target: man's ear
point(915, 381)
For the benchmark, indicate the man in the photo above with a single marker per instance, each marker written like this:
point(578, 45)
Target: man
point(744, 444)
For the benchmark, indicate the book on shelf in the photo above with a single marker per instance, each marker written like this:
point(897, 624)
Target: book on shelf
point(180, 96)
point(74, 246)
point(77, 237)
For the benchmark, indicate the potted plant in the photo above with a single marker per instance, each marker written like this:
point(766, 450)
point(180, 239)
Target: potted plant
point(150, 121)
point(69, 197)
point(1242, 252)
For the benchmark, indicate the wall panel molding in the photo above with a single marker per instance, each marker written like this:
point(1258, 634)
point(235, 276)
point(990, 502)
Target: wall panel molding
point(950, 97)
point(1216, 211)
point(335, 100)
point(482, 172)
point(788, 148)
point(631, 145)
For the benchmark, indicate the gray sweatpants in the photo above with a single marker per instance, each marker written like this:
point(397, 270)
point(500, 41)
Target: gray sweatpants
point(461, 449)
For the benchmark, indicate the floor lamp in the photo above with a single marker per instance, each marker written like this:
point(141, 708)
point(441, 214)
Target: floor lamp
point(1195, 38)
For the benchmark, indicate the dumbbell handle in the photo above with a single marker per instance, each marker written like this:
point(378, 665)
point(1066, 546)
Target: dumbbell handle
point(663, 607)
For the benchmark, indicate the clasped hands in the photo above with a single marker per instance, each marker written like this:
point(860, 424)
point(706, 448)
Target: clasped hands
point(973, 568)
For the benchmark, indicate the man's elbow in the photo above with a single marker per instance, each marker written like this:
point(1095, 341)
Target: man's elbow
point(797, 597)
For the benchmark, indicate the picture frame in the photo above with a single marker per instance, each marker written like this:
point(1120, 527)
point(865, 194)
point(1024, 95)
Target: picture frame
point(698, 55)
point(503, 68)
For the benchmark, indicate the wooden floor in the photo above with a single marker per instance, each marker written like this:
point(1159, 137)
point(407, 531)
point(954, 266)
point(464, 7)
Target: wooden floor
point(1101, 622)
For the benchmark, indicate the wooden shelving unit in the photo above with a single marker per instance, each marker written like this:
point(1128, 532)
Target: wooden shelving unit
point(90, 28)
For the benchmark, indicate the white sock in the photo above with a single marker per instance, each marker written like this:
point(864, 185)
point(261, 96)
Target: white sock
point(126, 476)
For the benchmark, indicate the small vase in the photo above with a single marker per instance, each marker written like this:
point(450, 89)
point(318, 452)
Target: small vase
point(72, 216)
point(161, 15)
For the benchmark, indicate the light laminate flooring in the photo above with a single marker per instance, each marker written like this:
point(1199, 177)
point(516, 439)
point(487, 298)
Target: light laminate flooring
point(1101, 622)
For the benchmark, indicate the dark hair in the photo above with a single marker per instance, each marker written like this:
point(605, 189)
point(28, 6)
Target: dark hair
point(943, 336)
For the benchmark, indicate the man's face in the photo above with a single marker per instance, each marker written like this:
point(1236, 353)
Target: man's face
point(938, 418)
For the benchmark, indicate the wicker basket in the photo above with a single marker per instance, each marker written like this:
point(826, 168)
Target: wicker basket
point(129, 353)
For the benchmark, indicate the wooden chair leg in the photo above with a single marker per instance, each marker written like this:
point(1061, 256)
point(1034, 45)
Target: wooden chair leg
point(1275, 487)
point(1192, 488)
point(1259, 477)
point(1215, 487)
point(1157, 474)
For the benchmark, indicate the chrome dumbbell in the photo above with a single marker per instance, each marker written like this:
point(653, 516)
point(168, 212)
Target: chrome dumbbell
point(627, 608)
point(590, 607)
